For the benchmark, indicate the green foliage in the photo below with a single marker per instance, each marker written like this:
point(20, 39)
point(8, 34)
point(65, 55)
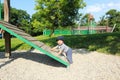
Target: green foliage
point(55, 13)
point(15, 45)
point(114, 18)
point(85, 19)
point(2, 47)
point(106, 43)
point(2, 11)
point(103, 21)
point(110, 18)
point(19, 18)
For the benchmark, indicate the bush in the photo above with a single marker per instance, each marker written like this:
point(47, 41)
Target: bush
point(106, 43)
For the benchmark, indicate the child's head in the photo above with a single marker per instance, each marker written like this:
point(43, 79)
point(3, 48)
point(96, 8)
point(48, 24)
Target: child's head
point(60, 40)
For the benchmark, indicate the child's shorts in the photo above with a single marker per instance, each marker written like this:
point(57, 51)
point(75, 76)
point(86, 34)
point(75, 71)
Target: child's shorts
point(69, 55)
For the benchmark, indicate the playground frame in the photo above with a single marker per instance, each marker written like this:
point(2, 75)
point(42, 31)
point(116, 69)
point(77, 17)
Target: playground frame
point(20, 34)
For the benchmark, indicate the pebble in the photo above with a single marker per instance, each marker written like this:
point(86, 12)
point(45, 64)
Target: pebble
point(31, 65)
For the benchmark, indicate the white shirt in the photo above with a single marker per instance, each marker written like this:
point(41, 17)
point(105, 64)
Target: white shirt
point(63, 48)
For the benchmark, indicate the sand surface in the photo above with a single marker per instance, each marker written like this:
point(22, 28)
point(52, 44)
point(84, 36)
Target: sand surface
point(31, 65)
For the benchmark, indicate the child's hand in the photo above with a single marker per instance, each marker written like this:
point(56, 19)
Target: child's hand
point(60, 52)
point(52, 49)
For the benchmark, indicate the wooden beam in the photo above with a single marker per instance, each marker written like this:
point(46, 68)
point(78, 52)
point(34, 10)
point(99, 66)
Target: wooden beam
point(7, 36)
point(6, 10)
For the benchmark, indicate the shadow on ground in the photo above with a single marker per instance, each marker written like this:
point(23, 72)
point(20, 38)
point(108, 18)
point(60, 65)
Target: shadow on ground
point(81, 51)
point(37, 57)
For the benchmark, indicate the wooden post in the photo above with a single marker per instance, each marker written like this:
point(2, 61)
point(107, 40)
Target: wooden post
point(7, 36)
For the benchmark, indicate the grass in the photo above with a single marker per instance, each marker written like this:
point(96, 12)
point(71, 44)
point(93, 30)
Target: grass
point(106, 43)
point(16, 44)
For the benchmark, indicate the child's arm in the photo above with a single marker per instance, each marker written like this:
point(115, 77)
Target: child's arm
point(53, 49)
point(60, 52)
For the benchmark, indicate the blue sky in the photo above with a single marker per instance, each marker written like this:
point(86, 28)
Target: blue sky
point(99, 7)
point(27, 5)
point(96, 7)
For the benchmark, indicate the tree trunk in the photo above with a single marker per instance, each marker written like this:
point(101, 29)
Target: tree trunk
point(52, 32)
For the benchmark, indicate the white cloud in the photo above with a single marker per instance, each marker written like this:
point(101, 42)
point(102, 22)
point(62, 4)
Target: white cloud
point(95, 8)
point(114, 5)
point(99, 9)
point(111, 4)
point(102, 7)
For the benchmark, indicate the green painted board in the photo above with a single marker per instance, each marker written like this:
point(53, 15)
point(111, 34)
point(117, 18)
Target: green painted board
point(33, 45)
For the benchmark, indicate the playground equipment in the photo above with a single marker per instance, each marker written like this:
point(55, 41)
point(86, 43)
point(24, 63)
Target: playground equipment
point(89, 29)
point(113, 27)
point(20, 34)
point(91, 24)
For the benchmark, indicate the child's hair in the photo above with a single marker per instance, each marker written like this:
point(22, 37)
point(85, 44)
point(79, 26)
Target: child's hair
point(60, 38)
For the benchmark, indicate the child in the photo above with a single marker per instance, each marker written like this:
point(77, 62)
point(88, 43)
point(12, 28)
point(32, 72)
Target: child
point(63, 49)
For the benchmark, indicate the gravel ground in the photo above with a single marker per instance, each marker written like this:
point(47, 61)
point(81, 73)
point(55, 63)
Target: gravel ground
point(32, 65)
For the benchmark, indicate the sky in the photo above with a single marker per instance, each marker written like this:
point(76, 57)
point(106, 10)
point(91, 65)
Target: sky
point(97, 8)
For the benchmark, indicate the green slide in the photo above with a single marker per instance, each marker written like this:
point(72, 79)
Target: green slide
point(20, 34)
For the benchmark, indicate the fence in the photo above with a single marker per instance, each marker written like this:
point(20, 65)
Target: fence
point(68, 32)
point(57, 32)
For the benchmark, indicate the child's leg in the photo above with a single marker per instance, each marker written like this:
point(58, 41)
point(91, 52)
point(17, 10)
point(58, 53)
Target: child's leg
point(64, 54)
point(69, 56)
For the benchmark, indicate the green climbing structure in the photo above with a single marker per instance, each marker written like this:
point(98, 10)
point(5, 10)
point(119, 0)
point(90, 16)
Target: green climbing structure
point(20, 34)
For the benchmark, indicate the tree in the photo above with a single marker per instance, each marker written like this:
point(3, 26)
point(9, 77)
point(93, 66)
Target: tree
point(2, 11)
point(86, 19)
point(35, 22)
point(110, 18)
point(103, 21)
point(19, 18)
point(114, 18)
point(56, 13)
